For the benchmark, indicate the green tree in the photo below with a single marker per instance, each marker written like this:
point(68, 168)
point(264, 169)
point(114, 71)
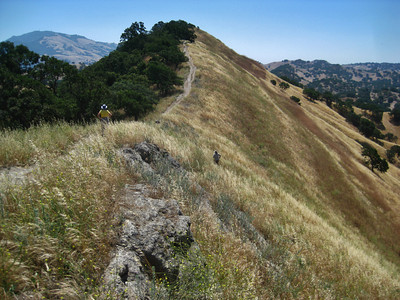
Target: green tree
point(374, 161)
point(134, 98)
point(50, 71)
point(23, 100)
point(133, 37)
point(181, 30)
point(284, 85)
point(366, 127)
point(353, 118)
point(329, 98)
point(135, 30)
point(311, 93)
point(390, 137)
point(392, 152)
point(165, 79)
point(295, 99)
point(395, 114)
point(292, 81)
point(17, 59)
point(376, 116)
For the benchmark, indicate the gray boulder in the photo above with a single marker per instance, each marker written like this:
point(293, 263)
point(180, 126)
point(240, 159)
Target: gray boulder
point(154, 232)
point(151, 153)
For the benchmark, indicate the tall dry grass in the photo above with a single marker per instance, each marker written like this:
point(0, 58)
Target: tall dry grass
point(23, 147)
point(56, 230)
point(300, 180)
point(292, 174)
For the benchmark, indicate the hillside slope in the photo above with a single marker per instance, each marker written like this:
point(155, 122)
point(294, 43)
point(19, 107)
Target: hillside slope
point(297, 171)
point(290, 212)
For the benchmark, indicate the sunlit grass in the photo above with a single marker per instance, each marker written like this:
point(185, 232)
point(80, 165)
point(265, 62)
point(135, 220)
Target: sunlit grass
point(23, 147)
point(56, 230)
point(293, 174)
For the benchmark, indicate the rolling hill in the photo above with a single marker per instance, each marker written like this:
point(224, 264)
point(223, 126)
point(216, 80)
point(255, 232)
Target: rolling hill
point(381, 80)
point(292, 210)
point(74, 49)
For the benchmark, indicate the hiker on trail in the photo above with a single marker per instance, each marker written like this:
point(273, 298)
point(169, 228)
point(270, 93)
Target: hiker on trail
point(216, 157)
point(104, 115)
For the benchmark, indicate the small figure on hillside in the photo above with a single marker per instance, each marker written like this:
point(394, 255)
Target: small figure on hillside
point(216, 157)
point(104, 115)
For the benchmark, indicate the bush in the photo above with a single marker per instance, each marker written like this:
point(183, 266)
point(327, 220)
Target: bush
point(292, 81)
point(273, 82)
point(295, 99)
point(284, 85)
point(391, 137)
point(392, 152)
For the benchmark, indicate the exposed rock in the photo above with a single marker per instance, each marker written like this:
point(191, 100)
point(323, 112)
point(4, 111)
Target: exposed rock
point(153, 232)
point(151, 153)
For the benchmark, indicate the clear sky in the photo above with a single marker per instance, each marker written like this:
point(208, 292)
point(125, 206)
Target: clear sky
point(339, 31)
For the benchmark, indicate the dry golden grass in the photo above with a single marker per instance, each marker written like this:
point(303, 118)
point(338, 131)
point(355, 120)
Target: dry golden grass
point(298, 171)
point(390, 127)
point(293, 172)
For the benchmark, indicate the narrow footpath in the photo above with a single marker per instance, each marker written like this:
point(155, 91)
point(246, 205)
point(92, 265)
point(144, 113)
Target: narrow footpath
point(187, 86)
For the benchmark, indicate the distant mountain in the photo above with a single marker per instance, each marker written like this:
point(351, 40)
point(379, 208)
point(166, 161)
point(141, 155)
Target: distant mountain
point(71, 48)
point(344, 80)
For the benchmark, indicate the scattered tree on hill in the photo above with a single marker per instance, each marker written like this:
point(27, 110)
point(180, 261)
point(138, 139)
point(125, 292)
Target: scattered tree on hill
point(273, 81)
point(377, 116)
point(329, 98)
point(392, 153)
point(292, 81)
point(395, 114)
point(368, 128)
point(295, 99)
point(284, 85)
point(390, 137)
point(374, 161)
point(311, 93)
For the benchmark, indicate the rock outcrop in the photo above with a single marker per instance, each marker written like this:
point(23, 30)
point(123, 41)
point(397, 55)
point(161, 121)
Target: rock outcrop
point(153, 232)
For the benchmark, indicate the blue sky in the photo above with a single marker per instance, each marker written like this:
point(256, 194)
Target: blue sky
point(339, 31)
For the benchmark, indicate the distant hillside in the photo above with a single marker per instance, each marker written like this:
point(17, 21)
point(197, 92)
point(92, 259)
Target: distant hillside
point(70, 48)
point(382, 80)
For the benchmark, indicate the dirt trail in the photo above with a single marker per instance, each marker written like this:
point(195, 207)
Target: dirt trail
point(187, 86)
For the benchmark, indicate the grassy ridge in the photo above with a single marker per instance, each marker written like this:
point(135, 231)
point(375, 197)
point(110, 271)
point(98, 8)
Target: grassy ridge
point(293, 172)
point(312, 186)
